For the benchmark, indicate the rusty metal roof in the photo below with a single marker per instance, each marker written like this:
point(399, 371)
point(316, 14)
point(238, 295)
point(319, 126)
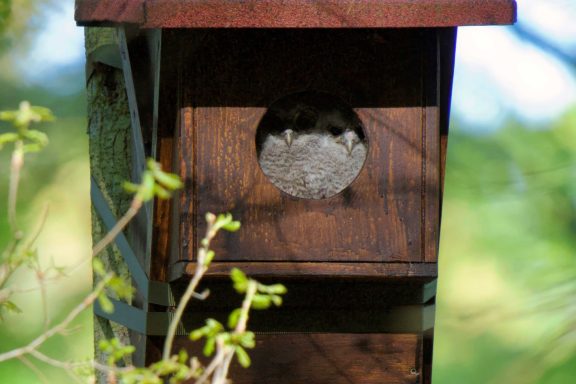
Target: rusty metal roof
point(295, 13)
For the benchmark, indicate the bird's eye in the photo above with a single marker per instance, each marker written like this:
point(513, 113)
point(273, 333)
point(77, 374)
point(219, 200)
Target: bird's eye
point(335, 131)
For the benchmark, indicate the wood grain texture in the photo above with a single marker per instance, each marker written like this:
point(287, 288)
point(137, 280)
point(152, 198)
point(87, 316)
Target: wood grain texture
point(230, 77)
point(163, 248)
point(296, 13)
point(108, 12)
point(447, 57)
point(431, 149)
point(322, 270)
point(322, 358)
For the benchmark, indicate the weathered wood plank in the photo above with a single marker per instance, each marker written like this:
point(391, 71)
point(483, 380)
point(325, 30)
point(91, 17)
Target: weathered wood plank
point(329, 358)
point(296, 13)
point(431, 149)
point(447, 57)
point(322, 269)
point(109, 12)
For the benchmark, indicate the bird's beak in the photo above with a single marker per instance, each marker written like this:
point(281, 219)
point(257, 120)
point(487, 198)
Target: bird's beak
point(288, 137)
point(349, 145)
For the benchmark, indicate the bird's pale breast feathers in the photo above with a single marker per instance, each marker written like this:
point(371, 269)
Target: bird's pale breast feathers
point(316, 161)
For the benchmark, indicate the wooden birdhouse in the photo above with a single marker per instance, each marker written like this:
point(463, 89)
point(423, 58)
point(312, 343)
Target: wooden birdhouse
point(321, 126)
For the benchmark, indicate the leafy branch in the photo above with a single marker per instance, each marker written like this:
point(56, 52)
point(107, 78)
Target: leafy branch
point(24, 140)
point(175, 368)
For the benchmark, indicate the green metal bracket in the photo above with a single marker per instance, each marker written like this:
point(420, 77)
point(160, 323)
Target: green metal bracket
point(154, 292)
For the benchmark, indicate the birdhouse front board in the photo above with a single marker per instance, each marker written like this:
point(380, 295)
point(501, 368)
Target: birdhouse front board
point(325, 144)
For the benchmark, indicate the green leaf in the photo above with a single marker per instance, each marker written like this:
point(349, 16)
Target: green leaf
point(211, 328)
point(214, 326)
point(234, 317)
point(261, 301)
point(98, 267)
point(161, 192)
point(277, 300)
point(44, 113)
point(275, 289)
point(209, 257)
point(8, 137)
point(146, 188)
point(168, 180)
point(247, 339)
point(240, 280)
point(36, 136)
point(232, 226)
point(8, 115)
point(209, 347)
point(121, 287)
point(31, 148)
point(105, 303)
point(130, 187)
point(242, 356)
point(182, 356)
point(104, 346)
point(224, 218)
point(196, 334)
point(10, 307)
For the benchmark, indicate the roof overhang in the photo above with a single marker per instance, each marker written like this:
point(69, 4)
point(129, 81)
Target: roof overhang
point(295, 13)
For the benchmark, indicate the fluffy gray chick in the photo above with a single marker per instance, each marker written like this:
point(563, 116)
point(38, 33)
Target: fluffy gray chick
point(313, 148)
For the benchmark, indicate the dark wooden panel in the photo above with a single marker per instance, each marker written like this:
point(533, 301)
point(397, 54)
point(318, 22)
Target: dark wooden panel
point(322, 294)
point(405, 271)
point(322, 358)
point(161, 246)
point(447, 56)
point(296, 13)
point(227, 82)
point(431, 151)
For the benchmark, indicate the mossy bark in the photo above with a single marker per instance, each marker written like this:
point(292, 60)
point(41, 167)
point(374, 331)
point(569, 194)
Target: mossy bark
point(110, 155)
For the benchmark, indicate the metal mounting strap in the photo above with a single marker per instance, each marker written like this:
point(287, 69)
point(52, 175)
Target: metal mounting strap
point(154, 292)
point(135, 319)
point(400, 319)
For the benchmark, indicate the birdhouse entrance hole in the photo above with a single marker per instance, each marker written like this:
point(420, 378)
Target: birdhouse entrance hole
point(311, 145)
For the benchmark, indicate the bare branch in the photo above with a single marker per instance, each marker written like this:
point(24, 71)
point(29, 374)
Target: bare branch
point(41, 376)
point(34, 344)
point(124, 220)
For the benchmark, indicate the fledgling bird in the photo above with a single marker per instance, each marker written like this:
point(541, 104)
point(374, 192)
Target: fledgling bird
point(311, 145)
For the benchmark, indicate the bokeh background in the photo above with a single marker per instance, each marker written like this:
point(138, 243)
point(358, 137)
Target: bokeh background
point(507, 289)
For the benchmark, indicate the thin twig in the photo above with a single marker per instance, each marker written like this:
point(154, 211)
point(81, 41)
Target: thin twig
point(79, 364)
point(6, 270)
point(118, 227)
point(246, 304)
point(15, 168)
point(41, 376)
point(221, 362)
point(34, 344)
point(68, 367)
point(43, 299)
point(211, 367)
point(39, 228)
point(201, 268)
point(240, 328)
point(186, 297)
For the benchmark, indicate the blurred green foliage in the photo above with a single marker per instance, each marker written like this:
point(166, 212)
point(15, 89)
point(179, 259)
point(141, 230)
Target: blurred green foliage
point(57, 176)
point(506, 310)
